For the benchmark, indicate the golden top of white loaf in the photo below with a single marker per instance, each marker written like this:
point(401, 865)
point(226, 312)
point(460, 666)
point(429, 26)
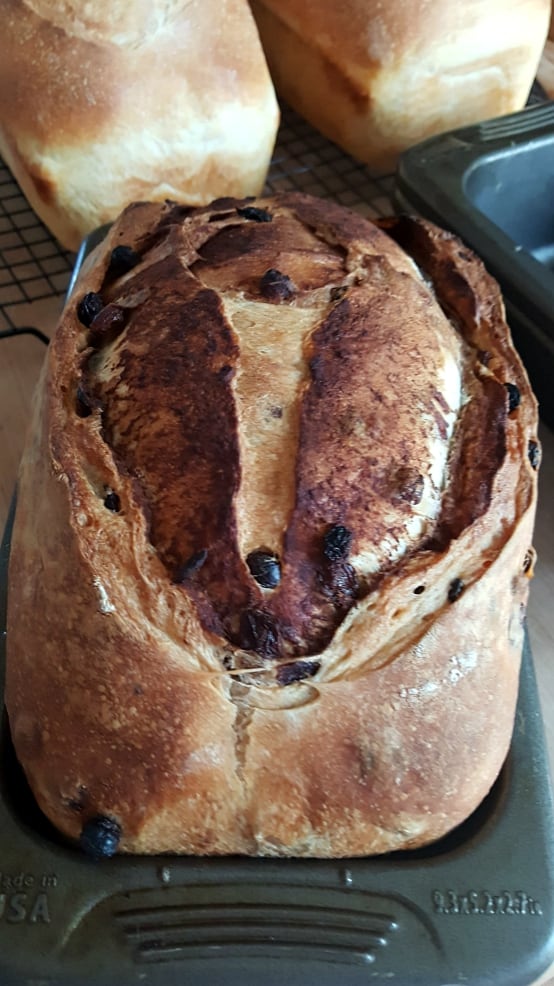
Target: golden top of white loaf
point(104, 104)
point(377, 77)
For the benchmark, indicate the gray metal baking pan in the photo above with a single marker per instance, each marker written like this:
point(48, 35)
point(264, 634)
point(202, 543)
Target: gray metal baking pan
point(493, 185)
point(476, 907)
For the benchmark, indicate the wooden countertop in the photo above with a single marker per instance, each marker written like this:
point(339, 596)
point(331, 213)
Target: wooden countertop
point(20, 360)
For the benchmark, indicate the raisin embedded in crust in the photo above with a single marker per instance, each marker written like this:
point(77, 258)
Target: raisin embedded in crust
point(89, 307)
point(258, 633)
point(254, 214)
point(529, 561)
point(275, 286)
point(340, 584)
point(107, 324)
point(534, 453)
point(336, 542)
point(299, 671)
point(455, 590)
point(514, 397)
point(112, 502)
point(122, 260)
point(100, 837)
point(265, 568)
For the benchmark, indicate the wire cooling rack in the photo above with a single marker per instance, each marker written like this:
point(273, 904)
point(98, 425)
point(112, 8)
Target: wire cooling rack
point(306, 161)
point(34, 268)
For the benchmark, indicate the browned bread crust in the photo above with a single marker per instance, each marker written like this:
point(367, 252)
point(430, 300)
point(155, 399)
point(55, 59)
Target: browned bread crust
point(272, 544)
point(378, 77)
point(108, 102)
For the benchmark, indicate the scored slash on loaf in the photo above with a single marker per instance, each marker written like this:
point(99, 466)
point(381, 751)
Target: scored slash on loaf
point(273, 537)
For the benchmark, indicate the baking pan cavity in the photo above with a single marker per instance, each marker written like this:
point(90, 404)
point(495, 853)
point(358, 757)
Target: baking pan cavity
point(493, 185)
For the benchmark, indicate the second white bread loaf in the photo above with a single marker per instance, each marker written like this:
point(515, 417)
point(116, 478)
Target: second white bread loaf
point(379, 77)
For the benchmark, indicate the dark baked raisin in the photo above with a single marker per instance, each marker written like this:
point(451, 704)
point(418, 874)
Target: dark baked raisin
point(89, 307)
point(276, 286)
point(484, 356)
point(83, 404)
point(339, 583)
point(455, 590)
point(338, 292)
point(289, 673)
point(514, 396)
point(191, 566)
point(107, 324)
point(122, 260)
point(336, 542)
point(112, 502)
point(534, 453)
point(254, 214)
point(259, 633)
point(265, 568)
point(100, 837)
point(528, 561)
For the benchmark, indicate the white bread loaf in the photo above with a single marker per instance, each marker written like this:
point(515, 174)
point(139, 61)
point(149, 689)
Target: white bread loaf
point(377, 77)
point(272, 545)
point(106, 102)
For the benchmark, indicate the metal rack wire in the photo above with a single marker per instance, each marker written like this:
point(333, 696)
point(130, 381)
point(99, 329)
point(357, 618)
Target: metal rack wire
point(306, 161)
point(33, 266)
